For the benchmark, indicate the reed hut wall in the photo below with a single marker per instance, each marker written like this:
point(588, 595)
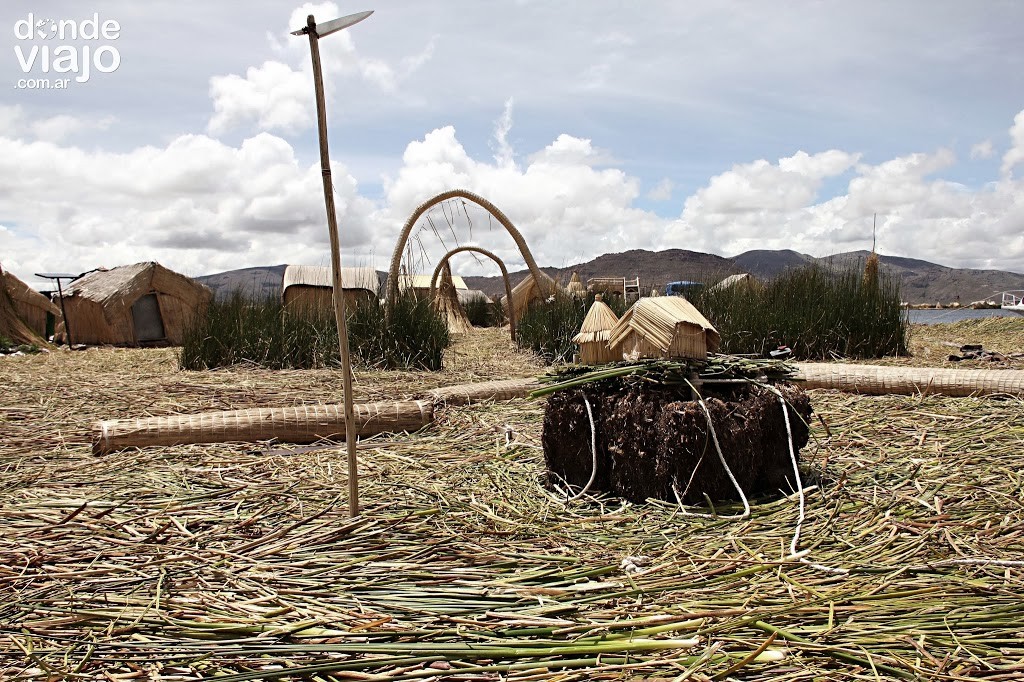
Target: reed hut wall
point(31, 306)
point(597, 352)
point(311, 287)
point(106, 306)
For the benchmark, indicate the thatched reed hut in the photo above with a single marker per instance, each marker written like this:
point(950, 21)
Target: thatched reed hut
point(741, 279)
point(529, 290)
point(34, 309)
point(312, 286)
point(420, 284)
point(447, 304)
point(594, 334)
point(665, 327)
point(470, 295)
point(143, 303)
point(575, 286)
point(12, 327)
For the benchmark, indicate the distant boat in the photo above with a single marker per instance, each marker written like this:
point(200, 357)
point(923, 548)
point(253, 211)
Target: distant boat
point(1013, 300)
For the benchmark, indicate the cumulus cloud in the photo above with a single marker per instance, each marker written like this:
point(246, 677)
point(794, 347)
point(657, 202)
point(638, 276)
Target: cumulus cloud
point(662, 191)
point(1015, 154)
point(197, 204)
point(15, 121)
point(278, 95)
point(504, 154)
point(203, 206)
point(982, 150)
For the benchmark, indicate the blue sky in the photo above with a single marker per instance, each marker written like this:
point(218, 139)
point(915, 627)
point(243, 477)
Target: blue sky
point(597, 127)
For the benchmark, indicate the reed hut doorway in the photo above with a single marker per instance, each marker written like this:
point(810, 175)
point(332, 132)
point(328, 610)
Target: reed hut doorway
point(146, 318)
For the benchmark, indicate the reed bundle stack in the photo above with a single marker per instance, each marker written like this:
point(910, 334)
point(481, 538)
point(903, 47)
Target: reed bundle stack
point(447, 304)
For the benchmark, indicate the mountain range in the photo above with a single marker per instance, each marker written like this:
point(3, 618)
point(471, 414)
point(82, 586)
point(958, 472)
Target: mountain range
point(921, 281)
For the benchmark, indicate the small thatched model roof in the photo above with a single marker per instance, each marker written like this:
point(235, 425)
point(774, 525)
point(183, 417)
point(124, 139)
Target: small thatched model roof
point(575, 286)
point(12, 327)
point(320, 276)
point(598, 324)
point(594, 334)
point(668, 326)
point(447, 303)
point(732, 281)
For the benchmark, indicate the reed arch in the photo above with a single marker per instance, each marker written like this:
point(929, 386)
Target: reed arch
point(504, 276)
point(540, 278)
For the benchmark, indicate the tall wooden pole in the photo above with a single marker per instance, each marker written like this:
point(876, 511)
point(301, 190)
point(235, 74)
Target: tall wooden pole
point(339, 292)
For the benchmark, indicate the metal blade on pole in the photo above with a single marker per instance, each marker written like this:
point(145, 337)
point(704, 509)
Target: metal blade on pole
point(334, 25)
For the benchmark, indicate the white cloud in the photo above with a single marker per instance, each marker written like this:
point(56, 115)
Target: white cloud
point(662, 191)
point(504, 154)
point(197, 204)
point(278, 95)
point(1015, 154)
point(200, 205)
point(982, 150)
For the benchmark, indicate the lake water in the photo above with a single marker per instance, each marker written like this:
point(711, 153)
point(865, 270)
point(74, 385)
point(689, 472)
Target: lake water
point(946, 315)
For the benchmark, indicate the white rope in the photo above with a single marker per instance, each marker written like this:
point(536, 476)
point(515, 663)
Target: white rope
point(593, 453)
point(593, 462)
point(794, 545)
point(728, 471)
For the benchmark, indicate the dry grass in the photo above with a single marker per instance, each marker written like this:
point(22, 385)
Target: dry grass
point(231, 559)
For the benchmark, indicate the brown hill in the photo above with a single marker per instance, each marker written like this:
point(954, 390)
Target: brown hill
point(921, 281)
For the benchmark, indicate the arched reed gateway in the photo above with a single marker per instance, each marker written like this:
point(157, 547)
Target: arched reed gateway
point(544, 283)
point(504, 276)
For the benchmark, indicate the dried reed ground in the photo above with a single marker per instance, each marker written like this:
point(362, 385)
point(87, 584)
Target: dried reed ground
point(194, 561)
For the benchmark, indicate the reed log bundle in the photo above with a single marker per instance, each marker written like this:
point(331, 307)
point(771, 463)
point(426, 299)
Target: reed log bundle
point(881, 380)
point(302, 424)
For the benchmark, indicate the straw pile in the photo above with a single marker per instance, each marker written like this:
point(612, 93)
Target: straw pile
point(668, 326)
point(224, 560)
point(594, 334)
point(447, 304)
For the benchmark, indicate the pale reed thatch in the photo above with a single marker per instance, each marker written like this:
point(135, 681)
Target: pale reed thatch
point(594, 334)
point(575, 286)
point(99, 305)
point(420, 284)
point(312, 286)
point(741, 279)
point(302, 424)
point(880, 380)
point(32, 307)
point(12, 327)
point(871, 271)
point(529, 290)
point(447, 304)
point(668, 326)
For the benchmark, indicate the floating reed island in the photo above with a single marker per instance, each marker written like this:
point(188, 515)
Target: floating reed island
point(681, 431)
point(237, 561)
